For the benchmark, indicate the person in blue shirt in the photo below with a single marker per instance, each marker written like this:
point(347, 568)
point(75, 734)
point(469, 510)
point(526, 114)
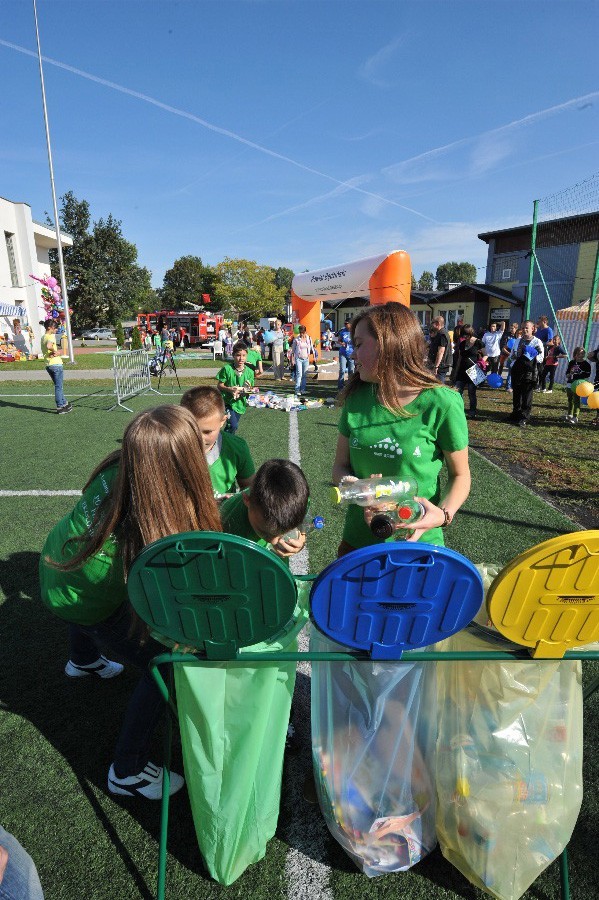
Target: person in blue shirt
point(346, 348)
point(543, 332)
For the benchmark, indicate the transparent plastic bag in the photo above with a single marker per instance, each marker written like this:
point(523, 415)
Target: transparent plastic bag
point(509, 766)
point(373, 742)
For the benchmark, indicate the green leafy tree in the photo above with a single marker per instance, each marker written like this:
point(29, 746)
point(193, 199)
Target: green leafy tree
point(455, 273)
point(283, 279)
point(185, 283)
point(427, 280)
point(104, 282)
point(119, 333)
point(413, 283)
point(245, 288)
point(136, 339)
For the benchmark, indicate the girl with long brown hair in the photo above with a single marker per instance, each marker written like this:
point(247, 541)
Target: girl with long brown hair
point(398, 420)
point(87, 555)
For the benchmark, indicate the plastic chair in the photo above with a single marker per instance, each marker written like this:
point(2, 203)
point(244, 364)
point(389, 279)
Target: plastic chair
point(217, 349)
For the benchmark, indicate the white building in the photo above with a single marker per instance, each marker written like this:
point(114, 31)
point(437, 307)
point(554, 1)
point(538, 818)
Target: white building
point(24, 246)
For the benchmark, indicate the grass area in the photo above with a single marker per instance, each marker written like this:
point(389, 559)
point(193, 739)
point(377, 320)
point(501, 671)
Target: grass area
point(57, 736)
point(102, 359)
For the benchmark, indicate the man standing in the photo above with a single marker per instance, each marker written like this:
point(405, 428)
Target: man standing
point(525, 374)
point(278, 358)
point(346, 348)
point(492, 341)
point(439, 350)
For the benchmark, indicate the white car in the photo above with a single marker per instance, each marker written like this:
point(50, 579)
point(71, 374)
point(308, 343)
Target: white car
point(97, 334)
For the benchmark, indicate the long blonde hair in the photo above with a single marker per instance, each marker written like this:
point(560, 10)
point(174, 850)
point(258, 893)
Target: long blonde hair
point(162, 487)
point(402, 354)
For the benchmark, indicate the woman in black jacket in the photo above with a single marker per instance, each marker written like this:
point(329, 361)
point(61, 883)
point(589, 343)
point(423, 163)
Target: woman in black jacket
point(471, 350)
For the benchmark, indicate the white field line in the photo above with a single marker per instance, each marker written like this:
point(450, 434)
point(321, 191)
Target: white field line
point(306, 833)
point(40, 493)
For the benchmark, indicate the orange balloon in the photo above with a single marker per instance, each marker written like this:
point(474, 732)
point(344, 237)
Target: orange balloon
point(585, 389)
point(593, 401)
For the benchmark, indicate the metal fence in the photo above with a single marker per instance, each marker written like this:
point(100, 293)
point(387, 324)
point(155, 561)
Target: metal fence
point(131, 376)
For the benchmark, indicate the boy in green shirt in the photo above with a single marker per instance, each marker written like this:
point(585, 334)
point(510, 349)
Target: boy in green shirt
point(235, 381)
point(228, 456)
point(275, 504)
point(254, 360)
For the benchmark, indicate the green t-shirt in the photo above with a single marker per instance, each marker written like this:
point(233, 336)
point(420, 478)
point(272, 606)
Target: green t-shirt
point(92, 593)
point(408, 447)
point(231, 378)
point(230, 458)
point(253, 358)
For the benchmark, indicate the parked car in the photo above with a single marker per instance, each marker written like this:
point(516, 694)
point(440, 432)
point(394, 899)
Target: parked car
point(97, 334)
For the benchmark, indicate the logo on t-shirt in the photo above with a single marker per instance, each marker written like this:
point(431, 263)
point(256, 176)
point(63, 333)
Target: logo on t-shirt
point(417, 452)
point(387, 448)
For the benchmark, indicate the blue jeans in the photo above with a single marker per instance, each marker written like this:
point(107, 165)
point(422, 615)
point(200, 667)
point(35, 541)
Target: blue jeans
point(20, 881)
point(461, 385)
point(345, 364)
point(301, 370)
point(132, 750)
point(508, 368)
point(233, 422)
point(56, 373)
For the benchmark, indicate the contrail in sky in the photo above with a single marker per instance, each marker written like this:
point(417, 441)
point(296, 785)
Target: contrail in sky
point(225, 132)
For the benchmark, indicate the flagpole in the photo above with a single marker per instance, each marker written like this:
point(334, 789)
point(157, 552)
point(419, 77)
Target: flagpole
point(63, 281)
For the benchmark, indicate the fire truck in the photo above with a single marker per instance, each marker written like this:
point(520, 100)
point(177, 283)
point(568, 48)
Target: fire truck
point(199, 328)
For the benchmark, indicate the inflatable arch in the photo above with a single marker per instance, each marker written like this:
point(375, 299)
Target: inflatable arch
point(380, 278)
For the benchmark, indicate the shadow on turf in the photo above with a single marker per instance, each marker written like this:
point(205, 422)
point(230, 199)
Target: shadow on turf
point(40, 409)
point(79, 718)
point(502, 520)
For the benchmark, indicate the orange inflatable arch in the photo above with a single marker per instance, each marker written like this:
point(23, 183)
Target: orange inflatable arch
point(380, 278)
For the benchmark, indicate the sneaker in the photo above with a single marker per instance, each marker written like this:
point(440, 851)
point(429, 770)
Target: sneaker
point(64, 409)
point(291, 741)
point(147, 784)
point(102, 667)
point(547, 391)
point(573, 420)
point(522, 423)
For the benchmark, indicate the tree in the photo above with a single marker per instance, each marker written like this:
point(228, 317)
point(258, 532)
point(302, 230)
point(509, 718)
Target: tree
point(104, 282)
point(283, 279)
point(119, 333)
point(185, 283)
point(244, 287)
point(455, 273)
point(426, 281)
point(413, 283)
point(135, 339)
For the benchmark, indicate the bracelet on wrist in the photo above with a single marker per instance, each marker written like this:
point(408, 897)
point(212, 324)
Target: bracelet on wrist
point(448, 517)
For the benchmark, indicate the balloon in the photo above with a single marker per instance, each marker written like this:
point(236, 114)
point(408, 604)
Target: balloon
point(268, 337)
point(51, 282)
point(511, 343)
point(494, 380)
point(593, 400)
point(584, 388)
point(54, 314)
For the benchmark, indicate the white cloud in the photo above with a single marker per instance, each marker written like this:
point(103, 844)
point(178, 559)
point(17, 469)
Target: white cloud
point(373, 68)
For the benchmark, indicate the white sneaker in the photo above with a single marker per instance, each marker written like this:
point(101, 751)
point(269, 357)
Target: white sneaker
point(147, 784)
point(102, 667)
point(548, 392)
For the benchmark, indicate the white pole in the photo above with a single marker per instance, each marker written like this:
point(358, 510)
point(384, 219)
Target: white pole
point(63, 284)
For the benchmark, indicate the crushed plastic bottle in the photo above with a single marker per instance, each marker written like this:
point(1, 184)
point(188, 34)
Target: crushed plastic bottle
point(310, 524)
point(387, 522)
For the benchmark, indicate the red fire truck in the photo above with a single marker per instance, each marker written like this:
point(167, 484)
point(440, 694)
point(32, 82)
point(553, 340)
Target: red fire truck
point(199, 328)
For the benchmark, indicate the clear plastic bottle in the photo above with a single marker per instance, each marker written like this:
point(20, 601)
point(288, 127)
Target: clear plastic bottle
point(374, 491)
point(310, 523)
point(387, 522)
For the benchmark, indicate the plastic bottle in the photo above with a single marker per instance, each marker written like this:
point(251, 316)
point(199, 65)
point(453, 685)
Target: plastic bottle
point(385, 523)
point(310, 523)
point(374, 491)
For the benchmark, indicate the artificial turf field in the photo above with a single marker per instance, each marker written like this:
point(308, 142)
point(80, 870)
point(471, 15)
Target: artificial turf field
point(56, 736)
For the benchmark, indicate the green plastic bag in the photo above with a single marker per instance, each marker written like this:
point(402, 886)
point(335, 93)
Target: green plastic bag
point(233, 721)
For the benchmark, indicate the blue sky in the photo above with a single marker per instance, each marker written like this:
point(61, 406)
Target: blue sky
point(301, 134)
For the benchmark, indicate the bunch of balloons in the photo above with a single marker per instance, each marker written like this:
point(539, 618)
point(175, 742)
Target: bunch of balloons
point(586, 389)
point(51, 297)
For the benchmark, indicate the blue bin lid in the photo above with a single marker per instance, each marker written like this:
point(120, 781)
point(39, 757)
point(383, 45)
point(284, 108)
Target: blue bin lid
point(387, 598)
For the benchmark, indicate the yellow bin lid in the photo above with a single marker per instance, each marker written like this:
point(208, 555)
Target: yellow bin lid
point(548, 597)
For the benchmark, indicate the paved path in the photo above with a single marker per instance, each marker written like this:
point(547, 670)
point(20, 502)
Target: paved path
point(327, 372)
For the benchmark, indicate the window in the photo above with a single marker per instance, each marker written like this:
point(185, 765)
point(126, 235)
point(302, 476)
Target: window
point(505, 268)
point(12, 258)
point(424, 316)
point(451, 317)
